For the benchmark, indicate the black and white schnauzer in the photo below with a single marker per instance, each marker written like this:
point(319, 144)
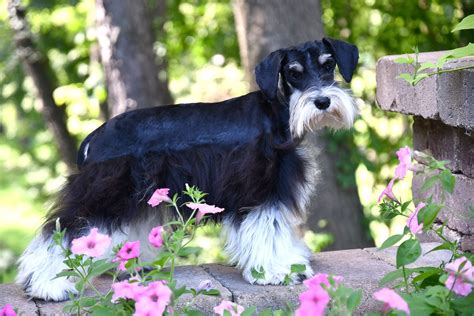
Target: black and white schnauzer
point(246, 153)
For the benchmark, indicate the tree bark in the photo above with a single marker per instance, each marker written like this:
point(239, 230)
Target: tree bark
point(262, 27)
point(125, 35)
point(37, 66)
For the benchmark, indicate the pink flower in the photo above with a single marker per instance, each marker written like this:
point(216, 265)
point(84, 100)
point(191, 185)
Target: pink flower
point(153, 300)
point(204, 209)
point(129, 250)
point(205, 285)
point(313, 302)
point(233, 308)
point(159, 196)
point(126, 290)
point(391, 300)
point(388, 192)
point(92, 245)
point(321, 278)
point(412, 221)
point(404, 156)
point(156, 236)
point(7, 310)
point(460, 279)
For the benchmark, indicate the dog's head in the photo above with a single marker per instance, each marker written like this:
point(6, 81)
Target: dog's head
point(302, 77)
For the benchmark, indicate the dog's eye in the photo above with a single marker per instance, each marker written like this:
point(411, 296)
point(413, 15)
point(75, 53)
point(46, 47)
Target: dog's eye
point(294, 73)
point(328, 64)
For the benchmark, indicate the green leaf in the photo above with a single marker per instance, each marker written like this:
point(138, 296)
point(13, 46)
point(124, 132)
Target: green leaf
point(258, 274)
point(466, 24)
point(463, 305)
point(429, 272)
point(391, 276)
point(211, 292)
point(467, 50)
point(390, 241)
point(266, 312)
point(249, 311)
point(426, 65)
point(227, 313)
point(428, 214)
point(429, 183)
point(66, 273)
point(187, 251)
point(87, 301)
point(100, 267)
point(405, 206)
point(404, 60)
point(447, 180)
point(298, 268)
point(443, 246)
point(407, 77)
point(419, 77)
point(408, 252)
point(354, 300)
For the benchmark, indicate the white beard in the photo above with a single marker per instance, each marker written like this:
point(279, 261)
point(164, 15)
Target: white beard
point(305, 116)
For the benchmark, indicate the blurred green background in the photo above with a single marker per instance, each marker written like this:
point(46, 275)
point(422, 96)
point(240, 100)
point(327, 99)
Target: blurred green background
point(200, 44)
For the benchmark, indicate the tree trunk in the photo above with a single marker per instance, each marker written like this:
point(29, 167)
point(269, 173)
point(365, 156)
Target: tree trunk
point(126, 38)
point(37, 66)
point(262, 27)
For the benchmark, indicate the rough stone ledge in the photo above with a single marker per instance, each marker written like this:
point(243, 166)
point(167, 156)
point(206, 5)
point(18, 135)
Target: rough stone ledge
point(361, 269)
point(447, 97)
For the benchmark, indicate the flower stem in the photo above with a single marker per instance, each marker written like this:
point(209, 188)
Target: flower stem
point(405, 279)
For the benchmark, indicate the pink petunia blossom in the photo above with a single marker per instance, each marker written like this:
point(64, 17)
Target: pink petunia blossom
point(126, 290)
point(159, 196)
point(205, 285)
point(391, 300)
point(129, 250)
point(7, 310)
point(388, 192)
point(156, 236)
point(460, 279)
point(233, 308)
point(313, 302)
point(412, 221)
point(404, 156)
point(204, 209)
point(153, 300)
point(321, 278)
point(92, 245)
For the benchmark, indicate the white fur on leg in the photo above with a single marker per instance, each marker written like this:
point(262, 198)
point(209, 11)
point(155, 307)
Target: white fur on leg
point(266, 239)
point(37, 269)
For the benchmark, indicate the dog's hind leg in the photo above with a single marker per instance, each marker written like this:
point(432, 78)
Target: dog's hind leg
point(266, 241)
point(99, 196)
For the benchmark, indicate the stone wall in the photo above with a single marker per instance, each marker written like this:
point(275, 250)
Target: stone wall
point(443, 110)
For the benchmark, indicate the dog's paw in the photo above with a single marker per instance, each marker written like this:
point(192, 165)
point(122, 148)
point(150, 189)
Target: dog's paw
point(36, 286)
point(279, 276)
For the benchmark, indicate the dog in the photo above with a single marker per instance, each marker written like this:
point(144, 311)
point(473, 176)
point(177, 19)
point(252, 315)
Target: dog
point(247, 153)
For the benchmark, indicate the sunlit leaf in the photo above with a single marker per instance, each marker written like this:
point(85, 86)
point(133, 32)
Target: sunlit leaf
point(466, 23)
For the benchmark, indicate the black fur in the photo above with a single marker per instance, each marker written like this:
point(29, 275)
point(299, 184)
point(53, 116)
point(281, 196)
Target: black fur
point(239, 151)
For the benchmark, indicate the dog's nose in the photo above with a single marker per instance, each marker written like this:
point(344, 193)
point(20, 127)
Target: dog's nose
point(322, 103)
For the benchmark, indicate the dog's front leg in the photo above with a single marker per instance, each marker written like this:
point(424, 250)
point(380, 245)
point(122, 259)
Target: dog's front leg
point(266, 241)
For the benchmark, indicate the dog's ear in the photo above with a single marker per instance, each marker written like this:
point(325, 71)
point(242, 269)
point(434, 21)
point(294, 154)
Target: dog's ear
point(267, 73)
point(346, 56)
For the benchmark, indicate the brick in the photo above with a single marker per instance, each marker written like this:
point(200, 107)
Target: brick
point(448, 97)
point(445, 143)
point(457, 205)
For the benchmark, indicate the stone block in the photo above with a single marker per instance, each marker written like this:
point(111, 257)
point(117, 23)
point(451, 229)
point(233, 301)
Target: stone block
point(457, 205)
point(13, 294)
point(432, 259)
point(448, 97)
point(445, 143)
